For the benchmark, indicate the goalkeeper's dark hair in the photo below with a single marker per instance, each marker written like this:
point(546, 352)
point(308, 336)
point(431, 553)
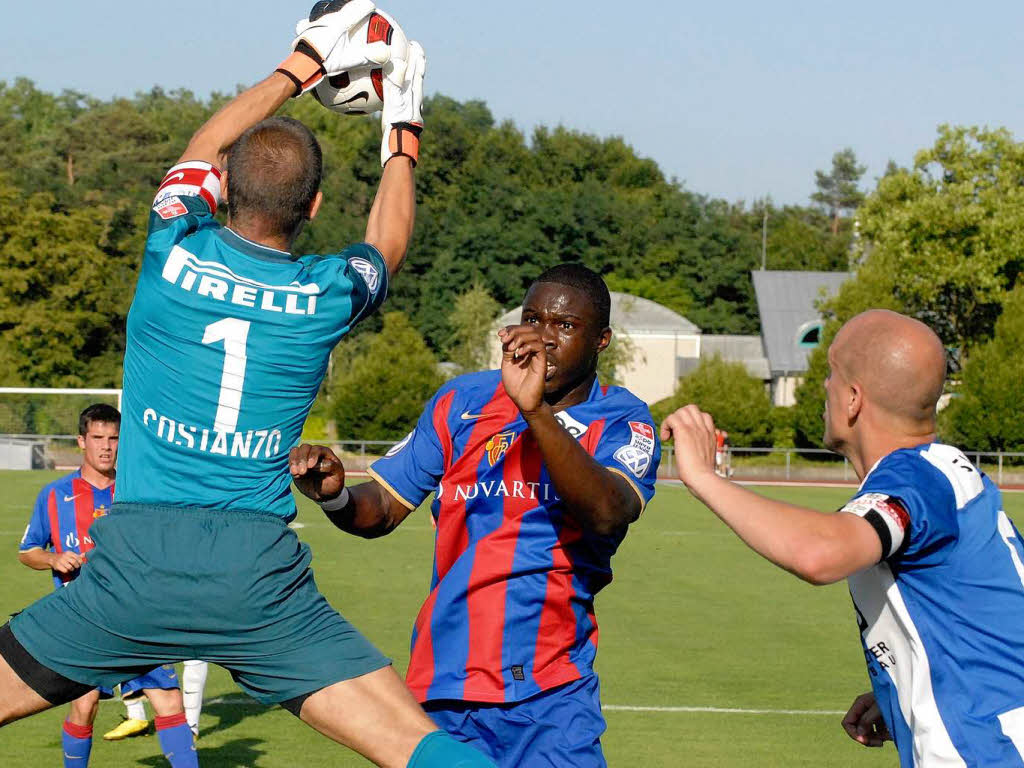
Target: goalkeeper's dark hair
point(586, 280)
point(274, 172)
point(99, 413)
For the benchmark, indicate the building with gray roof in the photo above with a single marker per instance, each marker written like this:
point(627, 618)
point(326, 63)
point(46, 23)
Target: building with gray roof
point(791, 323)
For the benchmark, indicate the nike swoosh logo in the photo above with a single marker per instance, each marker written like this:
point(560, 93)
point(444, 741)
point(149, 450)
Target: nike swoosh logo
point(175, 177)
point(71, 498)
point(73, 757)
point(467, 416)
point(361, 96)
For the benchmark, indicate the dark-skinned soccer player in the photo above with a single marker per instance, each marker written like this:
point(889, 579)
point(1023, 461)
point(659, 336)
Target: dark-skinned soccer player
point(537, 470)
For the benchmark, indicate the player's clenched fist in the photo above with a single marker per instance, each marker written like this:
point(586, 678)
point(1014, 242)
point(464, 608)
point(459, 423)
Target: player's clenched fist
point(864, 722)
point(693, 433)
point(66, 562)
point(318, 473)
point(524, 366)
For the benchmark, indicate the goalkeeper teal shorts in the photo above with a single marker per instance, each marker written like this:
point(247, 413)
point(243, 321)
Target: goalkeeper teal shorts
point(167, 584)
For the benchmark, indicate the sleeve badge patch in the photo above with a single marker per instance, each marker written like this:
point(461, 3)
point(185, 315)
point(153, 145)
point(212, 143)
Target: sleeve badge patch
point(170, 208)
point(642, 436)
point(367, 271)
point(634, 459)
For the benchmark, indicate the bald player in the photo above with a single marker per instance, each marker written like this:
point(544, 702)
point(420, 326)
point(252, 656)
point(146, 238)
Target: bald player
point(935, 568)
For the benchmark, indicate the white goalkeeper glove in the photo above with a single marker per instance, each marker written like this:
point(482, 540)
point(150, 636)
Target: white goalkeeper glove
point(402, 116)
point(373, 42)
point(325, 29)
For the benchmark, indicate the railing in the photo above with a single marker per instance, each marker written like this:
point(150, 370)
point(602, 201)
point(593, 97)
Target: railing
point(792, 464)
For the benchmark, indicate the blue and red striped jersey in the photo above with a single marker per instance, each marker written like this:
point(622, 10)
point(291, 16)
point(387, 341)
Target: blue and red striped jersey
point(511, 606)
point(64, 511)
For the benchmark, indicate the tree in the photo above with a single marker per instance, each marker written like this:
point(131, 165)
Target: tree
point(382, 381)
point(948, 233)
point(985, 413)
point(799, 239)
point(616, 358)
point(736, 400)
point(837, 189)
point(66, 281)
point(942, 241)
point(472, 324)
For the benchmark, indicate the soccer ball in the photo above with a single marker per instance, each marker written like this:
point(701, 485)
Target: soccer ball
point(357, 92)
point(360, 91)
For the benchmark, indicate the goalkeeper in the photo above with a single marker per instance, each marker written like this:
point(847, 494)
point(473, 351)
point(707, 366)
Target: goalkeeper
point(228, 340)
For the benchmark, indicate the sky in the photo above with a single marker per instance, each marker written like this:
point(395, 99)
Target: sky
point(740, 100)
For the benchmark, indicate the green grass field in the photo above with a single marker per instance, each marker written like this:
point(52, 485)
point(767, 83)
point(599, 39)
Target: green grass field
point(693, 619)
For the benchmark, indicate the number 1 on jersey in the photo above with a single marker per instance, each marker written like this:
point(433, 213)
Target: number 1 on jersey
point(234, 333)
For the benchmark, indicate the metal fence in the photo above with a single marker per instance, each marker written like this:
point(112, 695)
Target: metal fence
point(812, 465)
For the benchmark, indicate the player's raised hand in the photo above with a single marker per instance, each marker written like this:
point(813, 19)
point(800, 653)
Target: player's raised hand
point(864, 722)
point(693, 433)
point(524, 366)
point(318, 473)
point(402, 115)
point(329, 23)
point(325, 32)
point(66, 562)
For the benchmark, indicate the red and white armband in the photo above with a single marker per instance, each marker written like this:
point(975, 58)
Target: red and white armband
point(888, 516)
point(194, 178)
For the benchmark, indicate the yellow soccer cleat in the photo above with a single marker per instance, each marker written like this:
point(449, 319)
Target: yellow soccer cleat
point(129, 727)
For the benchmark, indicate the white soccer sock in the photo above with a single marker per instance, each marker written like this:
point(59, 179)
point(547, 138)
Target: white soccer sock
point(193, 681)
point(136, 709)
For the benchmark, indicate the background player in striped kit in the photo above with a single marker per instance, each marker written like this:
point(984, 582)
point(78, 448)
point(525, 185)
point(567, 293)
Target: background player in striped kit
point(537, 471)
point(934, 565)
point(57, 539)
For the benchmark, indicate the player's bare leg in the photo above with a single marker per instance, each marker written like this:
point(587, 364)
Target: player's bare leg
point(165, 703)
point(374, 714)
point(17, 700)
point(83, 710)
point(175, 736)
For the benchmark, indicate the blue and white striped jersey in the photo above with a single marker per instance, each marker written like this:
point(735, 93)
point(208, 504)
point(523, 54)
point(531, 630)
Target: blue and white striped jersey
point(942, 616)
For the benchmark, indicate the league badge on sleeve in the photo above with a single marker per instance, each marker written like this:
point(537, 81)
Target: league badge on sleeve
point(368, 272)
point(633, 459)
point(642, 436)
point(170, 208)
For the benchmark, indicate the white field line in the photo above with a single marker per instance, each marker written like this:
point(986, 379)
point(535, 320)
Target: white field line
point(242, 701)
point(720, 710)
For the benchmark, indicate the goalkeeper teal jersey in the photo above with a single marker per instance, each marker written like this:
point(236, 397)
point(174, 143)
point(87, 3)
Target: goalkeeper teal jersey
point(227, 345)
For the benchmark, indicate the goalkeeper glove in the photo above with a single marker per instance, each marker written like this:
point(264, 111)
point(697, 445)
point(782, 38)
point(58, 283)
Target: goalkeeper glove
point(402, 116)
point(317, 36)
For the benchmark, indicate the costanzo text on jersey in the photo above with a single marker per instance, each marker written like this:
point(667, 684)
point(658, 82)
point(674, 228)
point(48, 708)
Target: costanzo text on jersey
point(251, 444)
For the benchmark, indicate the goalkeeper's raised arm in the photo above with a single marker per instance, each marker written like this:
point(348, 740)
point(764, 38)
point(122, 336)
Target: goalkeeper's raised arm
point(334, 38)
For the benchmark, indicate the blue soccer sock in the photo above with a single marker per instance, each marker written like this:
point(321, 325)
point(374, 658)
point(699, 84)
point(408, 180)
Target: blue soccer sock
point(439, 750)
point(77, 741)
point(176, 741)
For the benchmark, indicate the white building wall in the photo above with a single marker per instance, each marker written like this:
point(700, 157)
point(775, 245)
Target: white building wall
point(784, 390)
point(652, 374)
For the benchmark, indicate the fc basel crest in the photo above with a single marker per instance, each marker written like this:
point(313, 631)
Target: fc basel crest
point(498, 446)
point(100, 511)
